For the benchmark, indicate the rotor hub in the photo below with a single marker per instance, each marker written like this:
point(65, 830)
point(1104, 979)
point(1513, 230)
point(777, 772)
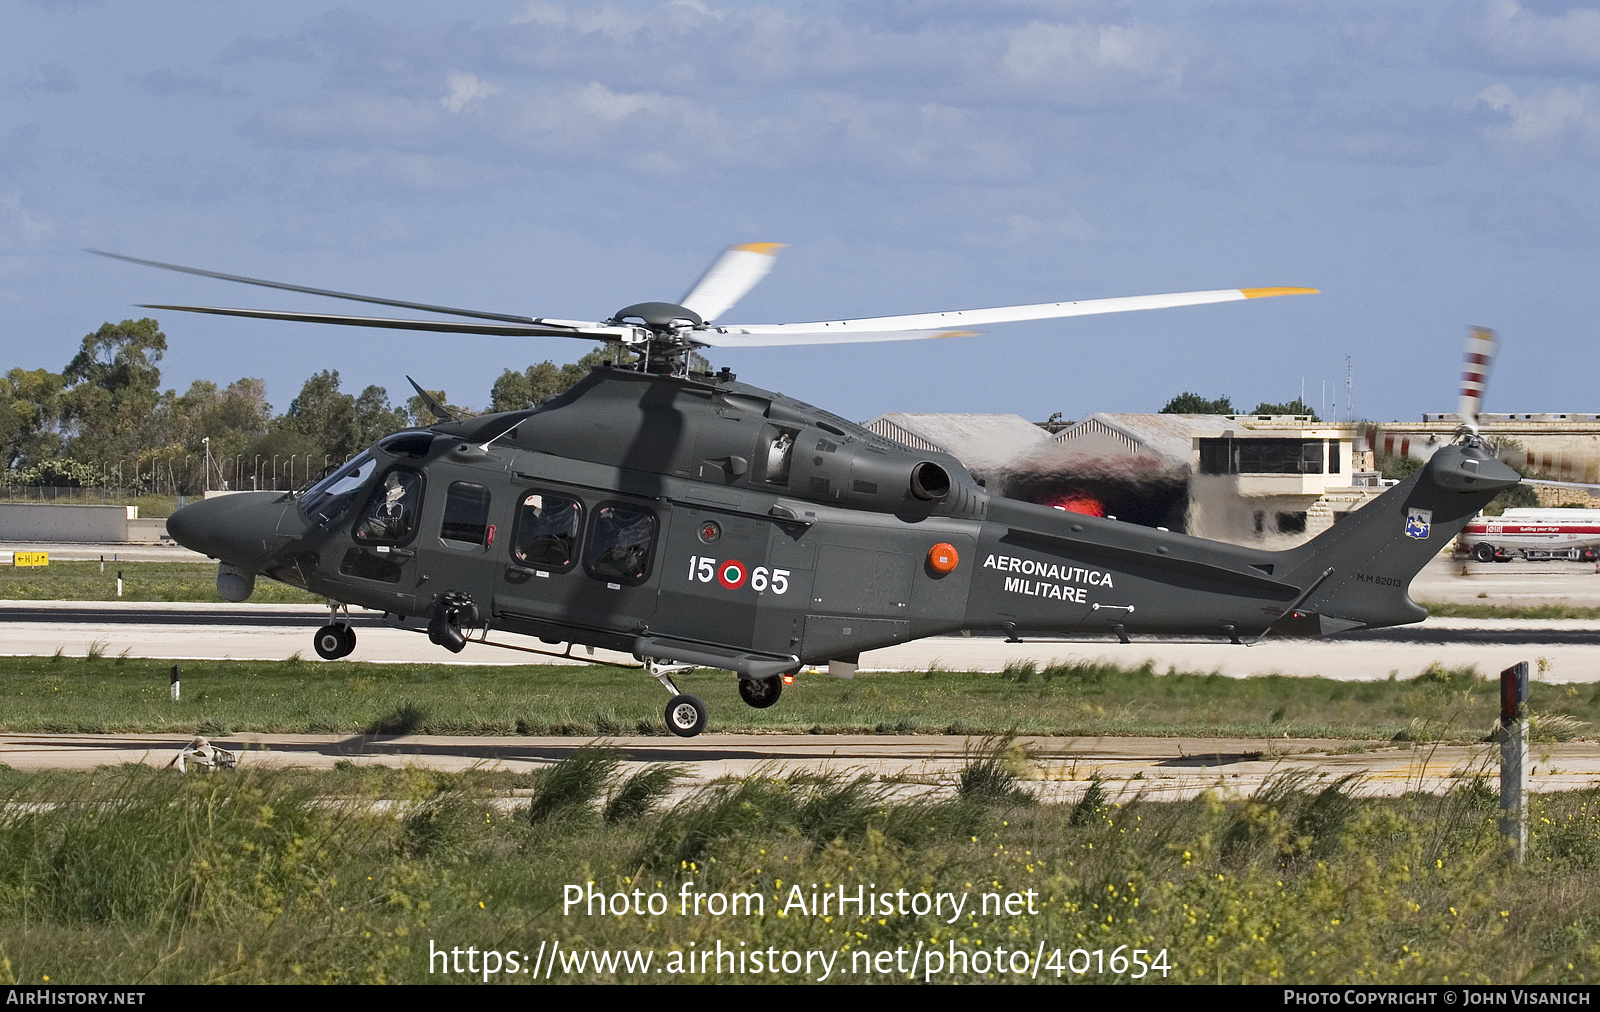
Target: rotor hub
point(660, 315)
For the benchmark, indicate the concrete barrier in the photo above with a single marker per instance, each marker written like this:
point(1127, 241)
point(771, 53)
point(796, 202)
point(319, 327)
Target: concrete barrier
point(48, 522)
point(147, 530)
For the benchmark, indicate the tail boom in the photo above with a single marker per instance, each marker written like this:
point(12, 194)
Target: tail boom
point(1042, 571)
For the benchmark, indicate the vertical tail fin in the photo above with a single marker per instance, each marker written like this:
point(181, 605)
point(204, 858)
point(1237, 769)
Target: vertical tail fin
point(1377, 550)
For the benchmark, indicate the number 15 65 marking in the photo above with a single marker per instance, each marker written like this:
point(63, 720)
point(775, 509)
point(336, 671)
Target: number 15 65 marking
point(733, 574)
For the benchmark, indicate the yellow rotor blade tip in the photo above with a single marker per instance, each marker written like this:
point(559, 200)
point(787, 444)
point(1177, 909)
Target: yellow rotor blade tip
point(1263, 293)
point(769, 248)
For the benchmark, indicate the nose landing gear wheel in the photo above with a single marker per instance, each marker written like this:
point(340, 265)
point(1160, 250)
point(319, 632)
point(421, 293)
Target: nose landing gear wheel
point(334, 641)
point(761, 692)
point(686, 715)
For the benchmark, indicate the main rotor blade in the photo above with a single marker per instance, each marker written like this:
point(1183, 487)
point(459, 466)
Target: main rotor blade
point(538, 328)
point(733, 337)
point(735, 272)
point(423, 307)
point(1475, 364)
point(956, 323)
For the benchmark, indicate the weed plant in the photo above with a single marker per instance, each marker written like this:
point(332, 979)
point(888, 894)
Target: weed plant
point(135, 875)
point(1445, 609)
point(124, 694)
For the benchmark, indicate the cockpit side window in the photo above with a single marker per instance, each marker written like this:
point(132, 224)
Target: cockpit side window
point(547, 531)
point(621, 544)
point(329, 499)
point(466, 515)
point(390, 515)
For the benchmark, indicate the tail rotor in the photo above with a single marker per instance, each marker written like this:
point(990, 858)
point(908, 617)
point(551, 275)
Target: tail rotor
point(1476, 362)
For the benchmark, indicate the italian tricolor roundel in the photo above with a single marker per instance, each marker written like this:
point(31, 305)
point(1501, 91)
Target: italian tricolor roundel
point(731, 574)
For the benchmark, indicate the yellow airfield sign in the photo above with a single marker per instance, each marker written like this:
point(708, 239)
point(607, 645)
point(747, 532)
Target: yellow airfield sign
point(32, 558)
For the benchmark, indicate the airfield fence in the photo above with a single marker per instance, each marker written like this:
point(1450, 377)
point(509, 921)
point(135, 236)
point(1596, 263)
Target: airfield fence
point(99, 482)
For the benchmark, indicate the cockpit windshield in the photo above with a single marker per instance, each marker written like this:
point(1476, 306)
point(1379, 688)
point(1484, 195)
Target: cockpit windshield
point(328, 499)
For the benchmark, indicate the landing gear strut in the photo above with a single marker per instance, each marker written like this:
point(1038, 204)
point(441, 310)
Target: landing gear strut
point(686, 714)
point(336, 639)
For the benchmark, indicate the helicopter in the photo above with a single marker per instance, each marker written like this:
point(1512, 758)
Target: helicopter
point(691, 520)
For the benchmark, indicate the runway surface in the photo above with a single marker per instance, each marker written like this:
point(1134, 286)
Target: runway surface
point(111, 551)
point(1561, 650)
point(1565, 650)
point(1158, 768)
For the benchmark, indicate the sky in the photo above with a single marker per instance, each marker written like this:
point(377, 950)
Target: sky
point(1428, 166)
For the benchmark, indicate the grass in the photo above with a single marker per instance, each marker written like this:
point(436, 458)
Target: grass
point(142, 581)
point(1441, 609)
point(251, 876)
point(120, 694)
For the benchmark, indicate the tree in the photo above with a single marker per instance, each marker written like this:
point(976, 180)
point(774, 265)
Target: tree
point(322, 420)
point(234, 418)
point(1294, 407)
point(516, 391)
point(1395, 466)
point(30, 417)
point(121, 357)
point(61, 472)
point(110, 407)
point(1188, 403)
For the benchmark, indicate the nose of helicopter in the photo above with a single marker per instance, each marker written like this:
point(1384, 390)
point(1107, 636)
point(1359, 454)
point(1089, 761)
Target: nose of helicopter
point(236, 529)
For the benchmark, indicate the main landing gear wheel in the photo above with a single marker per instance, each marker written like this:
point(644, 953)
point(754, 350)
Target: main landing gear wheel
point(334, 641)
point(1483, 552)
point(761, 692)
point(686, 715)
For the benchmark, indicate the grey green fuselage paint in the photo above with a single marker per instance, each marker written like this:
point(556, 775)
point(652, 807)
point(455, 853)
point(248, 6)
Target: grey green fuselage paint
point(705, 521)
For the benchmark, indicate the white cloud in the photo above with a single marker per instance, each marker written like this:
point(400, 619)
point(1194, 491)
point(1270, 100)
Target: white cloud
point(1542, 122)
point(462, 90)
point(1507, 35)
point(29, 225)
point(1093, 57)
point(944, 93)
point(1023, 229)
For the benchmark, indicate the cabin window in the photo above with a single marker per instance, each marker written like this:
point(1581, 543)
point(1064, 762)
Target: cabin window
point(361, 563)
point(547, 531)
point(466, 515)
point(620, 544)
point(779, 451)
point(1292, 522)
point(390, 516)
